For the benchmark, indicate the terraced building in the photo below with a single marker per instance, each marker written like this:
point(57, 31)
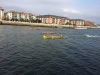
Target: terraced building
point(53, 19)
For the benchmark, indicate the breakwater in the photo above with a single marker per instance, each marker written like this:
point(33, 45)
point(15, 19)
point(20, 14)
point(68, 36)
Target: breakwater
point(42, 25)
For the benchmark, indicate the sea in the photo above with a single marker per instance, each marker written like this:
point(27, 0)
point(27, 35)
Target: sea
point(24, 51)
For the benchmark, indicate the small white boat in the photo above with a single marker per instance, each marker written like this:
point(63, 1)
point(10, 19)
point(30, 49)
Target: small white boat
point(87, 35)
point(79, 28)
point(47, 32)
point(34, 28)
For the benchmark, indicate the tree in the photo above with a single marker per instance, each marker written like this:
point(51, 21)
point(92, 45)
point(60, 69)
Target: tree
point(16, 19)
point(26, 20)
point(12, 19)
point(22, 20)
point(68, 23)
point(38, 21)
point(32, 20)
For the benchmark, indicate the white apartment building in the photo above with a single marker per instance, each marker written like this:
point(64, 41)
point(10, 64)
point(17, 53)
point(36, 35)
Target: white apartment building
point(20, 15)
point(53, 19)
point(1, 13)
point(78, 22)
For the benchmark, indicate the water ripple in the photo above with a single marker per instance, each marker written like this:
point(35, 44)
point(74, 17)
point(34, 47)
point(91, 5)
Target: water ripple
point(25, 52)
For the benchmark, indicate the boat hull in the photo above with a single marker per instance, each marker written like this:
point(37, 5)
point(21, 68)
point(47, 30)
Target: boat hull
point(53, 37)
point(80, 28)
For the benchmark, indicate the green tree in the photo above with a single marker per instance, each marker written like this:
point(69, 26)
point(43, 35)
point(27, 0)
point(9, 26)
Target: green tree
point(68, 23)
point(32, 20)
point(22, 20)
point(26, 20)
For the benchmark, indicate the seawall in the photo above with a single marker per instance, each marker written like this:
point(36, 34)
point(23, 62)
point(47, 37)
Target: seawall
point(25, 24)
point(17, 23)
point(34, 24)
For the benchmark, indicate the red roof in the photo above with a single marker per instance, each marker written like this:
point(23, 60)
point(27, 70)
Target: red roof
point(22, 12)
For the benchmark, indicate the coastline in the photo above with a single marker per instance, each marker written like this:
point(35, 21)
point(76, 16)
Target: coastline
point(16, 23)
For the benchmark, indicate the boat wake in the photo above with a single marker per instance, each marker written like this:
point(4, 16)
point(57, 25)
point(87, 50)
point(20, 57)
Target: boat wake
point(87, 35)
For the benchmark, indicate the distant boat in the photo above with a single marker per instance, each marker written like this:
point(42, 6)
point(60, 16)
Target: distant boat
point(87, 35)
point(58, 26)
point(34, 28)
point(47, 32)
point(31, 28)
point(79, 28)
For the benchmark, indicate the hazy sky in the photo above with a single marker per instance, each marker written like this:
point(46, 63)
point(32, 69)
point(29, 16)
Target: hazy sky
point(76, 9)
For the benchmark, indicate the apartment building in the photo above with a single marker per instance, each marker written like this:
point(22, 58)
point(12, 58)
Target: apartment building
point(1, 13)
point(89, 23)
point(20, 15)
point(77, 22)
point(53, 19)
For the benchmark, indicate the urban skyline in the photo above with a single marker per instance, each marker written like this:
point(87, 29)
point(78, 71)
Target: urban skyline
point(86, 9)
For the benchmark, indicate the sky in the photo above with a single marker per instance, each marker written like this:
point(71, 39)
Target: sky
point(73, 9)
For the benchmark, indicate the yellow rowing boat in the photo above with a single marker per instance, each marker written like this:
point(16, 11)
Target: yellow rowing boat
point(53, 37)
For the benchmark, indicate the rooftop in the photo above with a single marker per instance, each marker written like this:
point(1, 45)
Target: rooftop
point(46, 16)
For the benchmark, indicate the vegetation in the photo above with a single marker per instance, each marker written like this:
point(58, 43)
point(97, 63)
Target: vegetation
point(38, 21)
point(86, 25)
point(23, 20)
point(26, 20)
point(32, 20)
point(68, 23)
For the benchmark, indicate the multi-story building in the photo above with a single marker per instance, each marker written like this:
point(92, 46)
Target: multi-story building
point(89, 23)
point(53, 19)
point(77, 22)
point(20, 15)
point(1, 13)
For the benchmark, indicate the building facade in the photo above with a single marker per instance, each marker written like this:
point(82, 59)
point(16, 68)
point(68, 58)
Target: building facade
point(20, 15)
point(89, 23)
point(53, 19)
point(1, 13)
point(77, 22)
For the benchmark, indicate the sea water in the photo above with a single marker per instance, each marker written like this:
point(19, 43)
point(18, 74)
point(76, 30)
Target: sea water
point(25, 52)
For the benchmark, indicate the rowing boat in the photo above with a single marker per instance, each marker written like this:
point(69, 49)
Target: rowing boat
point(53, 37)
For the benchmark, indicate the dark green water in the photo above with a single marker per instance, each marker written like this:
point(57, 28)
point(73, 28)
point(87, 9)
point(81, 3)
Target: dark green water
point(25, 52)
